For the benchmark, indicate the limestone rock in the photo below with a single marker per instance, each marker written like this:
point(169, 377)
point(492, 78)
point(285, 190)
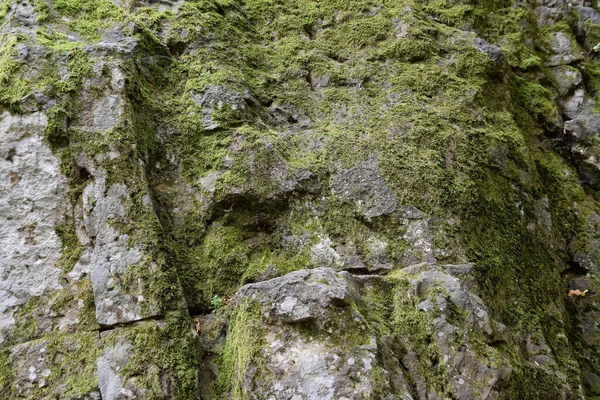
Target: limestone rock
point(173, 169)
point(300, 296)
point(313, 367)
point(31, 205)
point(564, 50)
point(213, 99)
point(364, 186)
point(494, 52)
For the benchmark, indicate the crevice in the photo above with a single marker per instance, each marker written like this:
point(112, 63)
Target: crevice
point(574, 269)
point(197, 311)
point(176, 48)
point(104, 328)
point(566, 142)
point(365, 272)
point(496, 343)
point(309, 31)
point(11, 154)
point(310, 80)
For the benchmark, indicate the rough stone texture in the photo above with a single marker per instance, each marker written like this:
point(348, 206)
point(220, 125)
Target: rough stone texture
point(567, 78)
point(299, 200)
point(215, 98)
point(494, 52)
point(300, 296)
point(31, 204)
point(38, 373)
point(111, 255)
point(313, 367)
point(563, 51)
point(112, 360)
point(364, 185)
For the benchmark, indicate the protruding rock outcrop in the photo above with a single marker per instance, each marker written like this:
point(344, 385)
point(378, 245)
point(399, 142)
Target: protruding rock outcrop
point(299, 200)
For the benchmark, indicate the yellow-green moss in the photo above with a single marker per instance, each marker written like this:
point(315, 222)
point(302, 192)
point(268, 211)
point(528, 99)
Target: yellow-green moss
point(14, 86)
point(242, 351)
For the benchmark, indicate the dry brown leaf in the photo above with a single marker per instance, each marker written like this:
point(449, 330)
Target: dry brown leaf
point(577, 293)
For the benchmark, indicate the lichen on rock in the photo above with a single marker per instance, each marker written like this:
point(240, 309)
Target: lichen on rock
point(261, 199)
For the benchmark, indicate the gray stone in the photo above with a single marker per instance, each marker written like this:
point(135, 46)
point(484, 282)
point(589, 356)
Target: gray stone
point(548, 16)
point(420, 239)
point(113, 359)
point(566, 78)
point(288, 114)
point(586, 15)
point(314, 368)
point(33, 201)
point(35, 367)
point(114, 41)
point(364, 186)
point(213, 98)
point(585, 126)
point(494, 52)
point(299, 296)
point(573, 105)
point(111, 255)
point(563, 51)
point(323, 254)
point(377, 256)
point(400, 27)
point(24, 13)
point(319, 82)
point(478, 315)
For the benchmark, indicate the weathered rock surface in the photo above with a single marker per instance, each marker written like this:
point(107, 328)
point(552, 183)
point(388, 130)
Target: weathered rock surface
point(32, 203)
point(299, 200)
point(363, 185)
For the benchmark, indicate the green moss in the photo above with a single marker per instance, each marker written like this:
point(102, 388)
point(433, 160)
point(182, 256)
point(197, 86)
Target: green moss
point(14, 86)
point(538, 100)
point(174, 354)
point(26, 325)
point(59, 42)
point(71, 247)
point(405, 83)
point(449, 14)
point(222, 261)
point(4, 9)
point(74, 362)
point(87, 17)
point(87, 314)
point(242, 351)
point(6, 374)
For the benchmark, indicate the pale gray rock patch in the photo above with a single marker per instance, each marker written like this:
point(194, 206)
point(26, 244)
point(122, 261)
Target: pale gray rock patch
point(314, 367)
point(563, 50)
point(107, 112)
point(110, 363)
point(566, 78)
point(493, 52)
point(111, 256)
point(323, 254)
point(35, 363)
point(299, 296)
point(32, 202)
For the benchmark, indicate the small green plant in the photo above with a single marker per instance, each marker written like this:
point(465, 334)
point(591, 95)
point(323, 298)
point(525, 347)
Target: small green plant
point(216, 302)
point(595, 48)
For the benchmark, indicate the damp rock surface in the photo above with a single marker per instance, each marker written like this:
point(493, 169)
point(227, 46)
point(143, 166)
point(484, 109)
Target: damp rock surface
point(258, 199)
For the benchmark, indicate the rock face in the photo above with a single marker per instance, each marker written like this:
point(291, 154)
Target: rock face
point(228, 199)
